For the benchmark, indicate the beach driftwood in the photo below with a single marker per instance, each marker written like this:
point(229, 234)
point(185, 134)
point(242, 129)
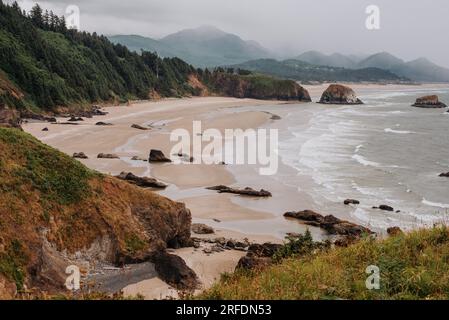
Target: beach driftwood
point(144, 182)
point(139, 127)
point(245, 192)
point(330, 223)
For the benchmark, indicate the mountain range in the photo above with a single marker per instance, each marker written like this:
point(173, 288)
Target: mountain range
point(208, 46)
point(205, 46)
point(421, 69)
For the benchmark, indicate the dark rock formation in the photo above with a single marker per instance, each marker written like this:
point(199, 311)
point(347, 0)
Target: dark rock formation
point(157, 156)
point(136, 126)
point(394, 231)
point(386, 208)
point(144, 182)
point(339, 94)
point(331, 224)
point(45, 129)
point(101, 123)
point(107, 156)
point(80, 155)
point(259, 256)
point(200, 228)
point(429, 102)
point(173, 270)
point(351, 201)
point(246, 192)
point(446, 175)
point(26, 114)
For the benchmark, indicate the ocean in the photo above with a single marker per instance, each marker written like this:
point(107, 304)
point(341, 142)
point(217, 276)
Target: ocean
point(382, 152)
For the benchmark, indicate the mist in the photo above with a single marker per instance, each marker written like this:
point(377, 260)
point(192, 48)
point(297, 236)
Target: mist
point(408, 29)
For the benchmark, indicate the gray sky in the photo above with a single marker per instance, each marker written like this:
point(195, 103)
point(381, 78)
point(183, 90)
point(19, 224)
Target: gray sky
point(408, 28)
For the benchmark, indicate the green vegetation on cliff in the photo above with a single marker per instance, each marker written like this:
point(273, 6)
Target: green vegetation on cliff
point(412, 266)
point(50, 203)
point(54, 66)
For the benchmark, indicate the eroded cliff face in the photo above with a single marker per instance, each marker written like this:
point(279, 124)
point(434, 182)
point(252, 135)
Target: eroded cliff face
point(55, 212)
point(257, 87)
point(339, 94)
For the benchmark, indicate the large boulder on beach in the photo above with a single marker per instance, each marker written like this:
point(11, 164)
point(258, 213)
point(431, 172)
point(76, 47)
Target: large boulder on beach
point(201, 228)
point(431, 101)
point(173, 270)
point(157, 156)
point(339, 94)
point(445, 174)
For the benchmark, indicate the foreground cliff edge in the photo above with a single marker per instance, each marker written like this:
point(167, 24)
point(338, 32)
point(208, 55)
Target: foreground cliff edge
point(55, 212)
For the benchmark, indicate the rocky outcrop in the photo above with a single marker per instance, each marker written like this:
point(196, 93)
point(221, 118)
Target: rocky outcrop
point(245, 192)
point(157, 156)
point(80, 155)
point(101, 123)
point(331, 224)
point(107, 156)
point(89, 219)
point(200, 228)
point(257, 87)
point(173, 270)
point(351, 201)
point(339, 94)
point(9, 118)
point(445, 174)
point(143, 182)
point(259, 256)
point(429, 102)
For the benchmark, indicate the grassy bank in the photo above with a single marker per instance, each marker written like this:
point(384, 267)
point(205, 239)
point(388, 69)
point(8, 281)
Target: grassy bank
point(412, 266)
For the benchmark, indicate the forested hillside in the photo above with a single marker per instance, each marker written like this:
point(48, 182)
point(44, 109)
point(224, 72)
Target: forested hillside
point(53, 66)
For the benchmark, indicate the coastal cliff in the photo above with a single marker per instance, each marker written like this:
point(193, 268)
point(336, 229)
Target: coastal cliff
point(55, 212)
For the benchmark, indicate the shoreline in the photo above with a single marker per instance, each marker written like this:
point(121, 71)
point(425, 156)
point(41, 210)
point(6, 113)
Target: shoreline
point(259, 220)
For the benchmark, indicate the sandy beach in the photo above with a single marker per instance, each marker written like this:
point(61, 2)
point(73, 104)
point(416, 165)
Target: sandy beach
point(183, 179)
point(236, 217)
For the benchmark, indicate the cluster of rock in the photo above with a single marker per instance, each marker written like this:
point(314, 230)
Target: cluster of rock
point(431, 101)
point(339, 94)
point(331, 224)
point(144, 182)
point(245, 192)
point(445, 174)
point(221, 244)
point(80, 155)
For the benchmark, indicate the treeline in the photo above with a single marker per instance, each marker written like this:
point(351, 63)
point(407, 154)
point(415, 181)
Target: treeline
point(55, 66)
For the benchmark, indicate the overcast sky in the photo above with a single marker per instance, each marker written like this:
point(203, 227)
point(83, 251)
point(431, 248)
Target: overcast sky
point(408, 28)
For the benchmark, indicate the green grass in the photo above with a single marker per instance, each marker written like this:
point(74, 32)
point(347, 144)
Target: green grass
point(12, 263)
point(55, 175)
point(412, 266)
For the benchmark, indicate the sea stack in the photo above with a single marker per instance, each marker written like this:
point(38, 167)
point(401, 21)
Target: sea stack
point(339, 94)
point(429, 102)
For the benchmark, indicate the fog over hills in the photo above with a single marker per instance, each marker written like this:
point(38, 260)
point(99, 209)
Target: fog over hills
point(205, 46)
